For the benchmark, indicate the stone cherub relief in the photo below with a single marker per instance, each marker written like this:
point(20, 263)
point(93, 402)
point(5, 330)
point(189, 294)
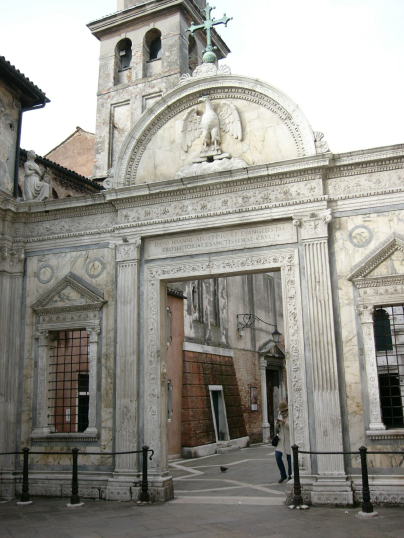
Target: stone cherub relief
point(36, 188)
point(210, 125)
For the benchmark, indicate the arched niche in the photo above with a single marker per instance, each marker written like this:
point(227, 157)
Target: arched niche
point(123, 60)
point(274, 129)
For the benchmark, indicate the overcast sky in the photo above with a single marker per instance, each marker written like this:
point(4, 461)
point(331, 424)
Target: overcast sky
point(341, 61)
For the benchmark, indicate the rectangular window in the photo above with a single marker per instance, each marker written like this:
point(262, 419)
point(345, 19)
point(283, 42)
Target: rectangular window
point(389, 343)
point(69, 382)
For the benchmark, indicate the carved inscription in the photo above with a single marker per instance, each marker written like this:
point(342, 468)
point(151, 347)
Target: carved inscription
point(237, 238)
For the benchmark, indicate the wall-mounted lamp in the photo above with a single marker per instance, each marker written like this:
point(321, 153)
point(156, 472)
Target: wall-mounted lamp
point(249, 319)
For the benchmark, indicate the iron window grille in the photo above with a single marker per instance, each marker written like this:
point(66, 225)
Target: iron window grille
point(69, 382)
point(389, 343)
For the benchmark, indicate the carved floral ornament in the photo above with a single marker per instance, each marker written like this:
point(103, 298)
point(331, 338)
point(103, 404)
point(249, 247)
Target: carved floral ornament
point(221, 88)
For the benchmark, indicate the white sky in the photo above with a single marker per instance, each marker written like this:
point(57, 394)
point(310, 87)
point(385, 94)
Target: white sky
point(341, 61)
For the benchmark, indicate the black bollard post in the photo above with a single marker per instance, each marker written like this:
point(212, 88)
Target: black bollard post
point(25, 497)
point(367, 506)
point(144, 495)
point(297, 489)
point(75, 499)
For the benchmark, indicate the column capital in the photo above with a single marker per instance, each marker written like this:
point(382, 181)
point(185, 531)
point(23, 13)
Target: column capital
point(129, 251)
point(93, 333)
point(12, 259)
point(313, 225)
point(366, 313)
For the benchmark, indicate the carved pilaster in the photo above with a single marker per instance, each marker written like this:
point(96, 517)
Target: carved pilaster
point(366, 316)
point(11, 272)
point(126, 437)
point(45, 341)
point(265, 423)
point(327, 411)
point(93, 333)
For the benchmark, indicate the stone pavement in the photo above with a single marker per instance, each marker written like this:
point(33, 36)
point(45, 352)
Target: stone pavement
point(245, 501)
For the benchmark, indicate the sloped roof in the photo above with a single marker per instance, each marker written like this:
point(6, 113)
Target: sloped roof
point(30, 94)
point(74, 133)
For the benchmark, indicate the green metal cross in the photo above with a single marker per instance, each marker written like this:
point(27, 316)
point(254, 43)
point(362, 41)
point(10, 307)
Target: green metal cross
point(208, 25)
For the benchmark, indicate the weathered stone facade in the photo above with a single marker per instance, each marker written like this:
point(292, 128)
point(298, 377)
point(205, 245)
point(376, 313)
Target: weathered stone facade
point(330, 225)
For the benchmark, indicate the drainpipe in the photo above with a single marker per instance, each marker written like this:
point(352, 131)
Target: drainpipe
point(17, 150)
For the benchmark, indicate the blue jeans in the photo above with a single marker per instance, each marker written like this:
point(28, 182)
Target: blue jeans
point(279, 461)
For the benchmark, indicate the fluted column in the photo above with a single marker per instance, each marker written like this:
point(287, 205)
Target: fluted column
point(366, 315)
point(264, 399)
point(126, 435)
point(93, 333)
point(327, 410)
point(11, 279)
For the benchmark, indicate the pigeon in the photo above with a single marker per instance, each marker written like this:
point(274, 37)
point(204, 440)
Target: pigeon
point(223, 468)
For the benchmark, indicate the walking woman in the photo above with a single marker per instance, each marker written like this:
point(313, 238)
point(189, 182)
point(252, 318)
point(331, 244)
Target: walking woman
point(284, 442)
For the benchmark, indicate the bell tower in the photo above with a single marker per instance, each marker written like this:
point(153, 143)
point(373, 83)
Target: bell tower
point(145, 47)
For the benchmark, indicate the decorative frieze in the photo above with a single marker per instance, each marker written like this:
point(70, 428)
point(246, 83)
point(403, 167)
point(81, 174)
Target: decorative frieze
point(224, 201)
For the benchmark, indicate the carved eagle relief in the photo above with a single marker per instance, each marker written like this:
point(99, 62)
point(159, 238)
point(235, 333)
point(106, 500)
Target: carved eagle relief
point(210, 125)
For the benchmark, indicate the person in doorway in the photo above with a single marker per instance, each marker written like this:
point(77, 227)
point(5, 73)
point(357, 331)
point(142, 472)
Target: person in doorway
point(283, 446)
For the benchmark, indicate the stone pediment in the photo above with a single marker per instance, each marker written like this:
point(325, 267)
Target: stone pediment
point(386, 260)
point(272, 349)
point(270, 128)
point(70, 294)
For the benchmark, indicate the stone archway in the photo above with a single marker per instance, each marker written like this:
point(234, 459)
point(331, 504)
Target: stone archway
point(156, 275)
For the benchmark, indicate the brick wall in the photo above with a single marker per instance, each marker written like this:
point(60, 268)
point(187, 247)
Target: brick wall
point(247, 366)
point(199, 371)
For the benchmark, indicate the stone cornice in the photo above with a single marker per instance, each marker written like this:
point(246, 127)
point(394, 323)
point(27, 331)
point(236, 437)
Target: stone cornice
point(360, 167)
point(368, 155)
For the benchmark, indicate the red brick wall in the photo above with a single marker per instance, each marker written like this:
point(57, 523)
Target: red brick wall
point(199, 371)
point(247, 367)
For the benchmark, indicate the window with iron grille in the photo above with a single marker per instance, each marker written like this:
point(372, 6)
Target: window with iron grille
point(389, 343)
point(69, 382)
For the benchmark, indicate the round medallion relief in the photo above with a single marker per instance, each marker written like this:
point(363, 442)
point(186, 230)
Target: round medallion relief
point(95, 267)
point(360, 236)
point(45, 273)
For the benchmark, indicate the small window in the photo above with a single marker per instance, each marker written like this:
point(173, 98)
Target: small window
point(155, 49)
point(382, 327)
point(169, 401)
point(153, 45)
point(124, 53)
point(69, 382)
point(192, 53)
point(169, 338)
